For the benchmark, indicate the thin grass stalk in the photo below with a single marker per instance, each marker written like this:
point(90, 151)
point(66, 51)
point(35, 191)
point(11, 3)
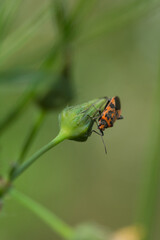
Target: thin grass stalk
point(23, 34)
point(17, 110)
point(150, 182)
point(32, 134)
point(10, 14)
point(119, 18)
point(81, 9)
point(54, 222)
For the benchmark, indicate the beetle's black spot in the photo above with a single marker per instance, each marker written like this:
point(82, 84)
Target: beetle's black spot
point(110, 112)
point(107, 116)
point(111, 105)
point(103, 122)
point(108, 102)
point(118, 103)
point(111, 123)
point(106, 126)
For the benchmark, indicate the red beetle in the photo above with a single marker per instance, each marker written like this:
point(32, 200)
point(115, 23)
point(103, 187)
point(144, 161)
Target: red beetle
point(110, 114)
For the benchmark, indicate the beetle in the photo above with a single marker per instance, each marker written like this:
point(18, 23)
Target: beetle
point(107, 118)
point(110, 114)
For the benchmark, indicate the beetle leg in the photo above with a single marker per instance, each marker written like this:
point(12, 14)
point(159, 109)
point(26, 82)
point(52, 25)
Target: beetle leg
point(120, 117)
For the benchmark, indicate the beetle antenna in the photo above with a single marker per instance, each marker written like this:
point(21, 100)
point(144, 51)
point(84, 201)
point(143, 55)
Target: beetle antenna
point(104, 144)
point(101, 134)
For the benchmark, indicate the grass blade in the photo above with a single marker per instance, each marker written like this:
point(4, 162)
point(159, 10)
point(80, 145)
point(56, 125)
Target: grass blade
point(54, 222)
point(23, 34)
point(119, 17)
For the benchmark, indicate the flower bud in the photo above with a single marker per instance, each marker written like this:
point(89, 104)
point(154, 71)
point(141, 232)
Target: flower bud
point(76, 122)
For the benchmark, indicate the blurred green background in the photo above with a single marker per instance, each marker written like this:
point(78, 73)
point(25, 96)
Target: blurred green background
point(115, 52)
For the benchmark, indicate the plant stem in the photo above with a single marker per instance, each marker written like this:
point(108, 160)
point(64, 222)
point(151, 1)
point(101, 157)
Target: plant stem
point(17, 110)
point(150, 187)
point(60, 137)
point(56, 224)
point(34, 130)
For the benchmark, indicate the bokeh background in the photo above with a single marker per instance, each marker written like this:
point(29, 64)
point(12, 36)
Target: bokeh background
point(115, 51)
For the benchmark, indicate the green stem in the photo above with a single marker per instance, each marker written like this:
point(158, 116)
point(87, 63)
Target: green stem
point(34, 130)
point(17, 110)
point(18, 171)
point(150, 181)
point(81, 10)
point(56, 224)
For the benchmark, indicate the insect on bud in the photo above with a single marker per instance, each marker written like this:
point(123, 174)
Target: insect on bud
point(76, 122)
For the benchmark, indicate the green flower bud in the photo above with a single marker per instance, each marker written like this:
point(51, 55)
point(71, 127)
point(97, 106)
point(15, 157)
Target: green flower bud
point(76, 122)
